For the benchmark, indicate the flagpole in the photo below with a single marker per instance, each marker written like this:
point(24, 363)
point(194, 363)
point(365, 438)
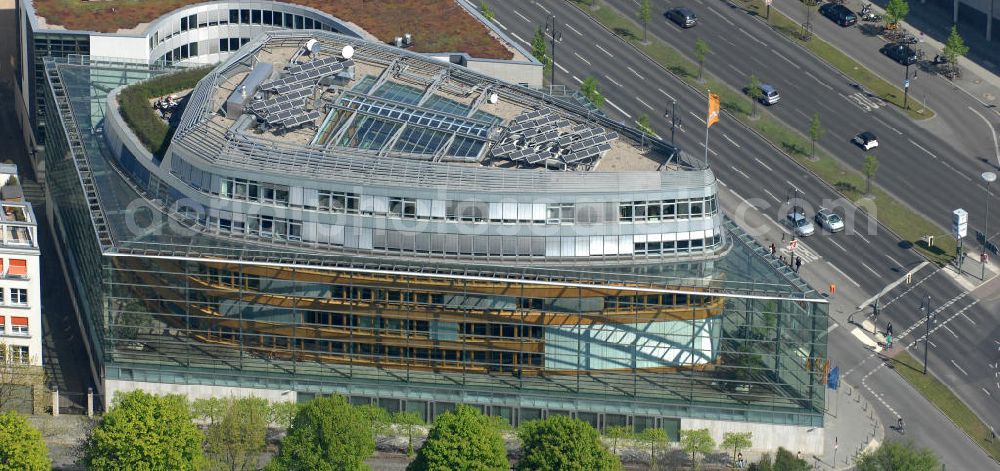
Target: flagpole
point(707, 125)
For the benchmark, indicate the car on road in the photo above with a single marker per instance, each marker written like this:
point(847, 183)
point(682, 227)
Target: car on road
point(839, 14)
point(866, 140)
point(797, 221)
point(769, 94)
point(684, 17)
point(900, 53)
point(829, 220)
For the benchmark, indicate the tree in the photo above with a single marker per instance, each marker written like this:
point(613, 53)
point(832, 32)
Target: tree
point(808, 6)
point(644, 125)
point(485, 10)
point(18, 377)
point(869, 169)
point(591, 90)
point(144, 431)
point(377, 417)
point(700, 51)
point(644, 15)
point(327, 434)
point(409, 421)
point(462, 439)
point(21, 445)
point(540, 51)
point(764, 464)
point(559, 442)
point(209, 409)
point(755, 93)
point(236, 441)
point(737, 441)
point(816, 132)
point(283, 413)
point(615, 433)
point(896, 11)
point(697, 441)
point(898, 455)
point(784, 460)
point(655, 437)
point(954, 48)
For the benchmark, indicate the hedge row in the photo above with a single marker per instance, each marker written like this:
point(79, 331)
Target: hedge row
point(133, 103)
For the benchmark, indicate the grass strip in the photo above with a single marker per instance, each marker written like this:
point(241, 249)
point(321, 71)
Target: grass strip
point(133, 103)
point(902, 220)
point(836, 58)
point(947, 402)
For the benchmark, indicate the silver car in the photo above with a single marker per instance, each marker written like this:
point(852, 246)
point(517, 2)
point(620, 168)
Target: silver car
point(800, 224)
point(829, 220)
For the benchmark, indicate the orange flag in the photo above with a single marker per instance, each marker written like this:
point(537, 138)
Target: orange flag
point(713, 109)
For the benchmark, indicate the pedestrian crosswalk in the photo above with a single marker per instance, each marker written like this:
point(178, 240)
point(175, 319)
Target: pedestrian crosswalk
point(864, 102)
point(807, 254)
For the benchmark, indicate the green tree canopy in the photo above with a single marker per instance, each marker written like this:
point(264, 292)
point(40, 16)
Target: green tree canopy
point(870, 168)
point(701, 50)
point(898, 455)
point(462, 439)
point(327, 434)
point(644, 125)
point(237, 439)
point(737, 441)
point(896, 11)
point(697, 441)
point(656, 438)
point(540, 51)
point(409, 421)
point(644, 16)
point(954, 47)
point(816, 131)
point(784, 460)
point(21, 445)
point(755, 93)
point(591, 90)
point(145, 432)
point(562, 443)
point(615, 433)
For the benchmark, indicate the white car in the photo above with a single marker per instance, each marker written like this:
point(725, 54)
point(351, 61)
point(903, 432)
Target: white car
point(800, 224)
point(866, 140)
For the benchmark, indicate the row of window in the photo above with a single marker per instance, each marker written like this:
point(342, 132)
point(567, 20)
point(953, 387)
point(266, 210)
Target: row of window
point(240, 17)
point(672, 246)
point(18, 326)
point(17, 297)
point(16, 354)
point(653, 211)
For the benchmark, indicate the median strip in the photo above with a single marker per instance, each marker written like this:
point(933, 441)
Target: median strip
point(892, 213)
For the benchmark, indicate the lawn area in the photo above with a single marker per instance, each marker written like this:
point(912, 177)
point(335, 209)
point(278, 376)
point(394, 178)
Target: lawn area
point(133, 103)
point(838, 59)
point(436, 25)
point(947, 402)
point(902, 220)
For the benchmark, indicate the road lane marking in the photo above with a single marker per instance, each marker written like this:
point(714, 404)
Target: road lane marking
point(743, 199)
point(762, 43)
point(574, 29)
point(720, 16)
point(740, 172)
point(834, 326)
point(855, 283)
point(604, 50)
point(546, 10)
point(665, 93)
point(722, 183)
point(870, 269)
point(581, 58)
point(731, 141)
point(922, 148)
point(968, 318)
point(771, 195)
point(617, 108)
point(500, 24)
point(762, 164)
point(561, 67)
point(987, 392)
point(738, 71)
point(710, 150)
point(612, 80)
point(959, 368)
point(522, 16)
point(577, 79)
point(796, 188)
point(785, 58)
point(803, 114)
point(636, 73)
point(953, 169)
point(838, 245)
point(887, 125)
point(996, 148)
point(900, 265)
point(862, 237)
point(896, 283)
point(697, 117)
point(644, 103)
point(949, 330)
point(819, 81)
point(519, 38)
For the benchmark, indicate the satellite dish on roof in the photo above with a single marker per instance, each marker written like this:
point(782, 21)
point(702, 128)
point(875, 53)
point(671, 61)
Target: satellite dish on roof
point(347, 52)
point(313, 46)
point(494, 98)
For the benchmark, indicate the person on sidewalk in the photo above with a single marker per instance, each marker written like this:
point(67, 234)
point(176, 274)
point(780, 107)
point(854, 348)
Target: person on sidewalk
point(773, 250)
point(888, 329)
point(798, 264)
point(888, 341)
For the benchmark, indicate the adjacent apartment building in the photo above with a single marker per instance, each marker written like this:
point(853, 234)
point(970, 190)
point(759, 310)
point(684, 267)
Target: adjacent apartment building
point(20, 286)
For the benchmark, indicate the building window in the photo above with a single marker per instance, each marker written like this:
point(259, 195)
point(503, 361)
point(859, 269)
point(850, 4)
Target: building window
point(224, 45)
point(268, 17)
point(19, 326)
point(18, 296)
point(18, 267)
point(19, 354)
point(234, 16)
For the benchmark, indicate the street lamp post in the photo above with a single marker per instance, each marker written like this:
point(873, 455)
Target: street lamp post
point(906, 85)
point(550, 29)
point(988, 177)
point(675, 120)
point(927, 329)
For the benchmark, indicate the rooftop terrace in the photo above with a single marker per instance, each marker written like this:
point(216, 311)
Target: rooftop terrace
point(437, 25)
point(18, 228)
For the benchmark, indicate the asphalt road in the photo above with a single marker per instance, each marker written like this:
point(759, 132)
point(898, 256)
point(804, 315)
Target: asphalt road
point(944, 153)
point(745, 164)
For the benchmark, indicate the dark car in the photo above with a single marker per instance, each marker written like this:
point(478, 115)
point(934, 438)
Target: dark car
point(684, 17)
point(900, 53)
point(839, 14)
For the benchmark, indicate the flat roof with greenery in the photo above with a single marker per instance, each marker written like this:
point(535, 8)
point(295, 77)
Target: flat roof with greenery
point(437, 25)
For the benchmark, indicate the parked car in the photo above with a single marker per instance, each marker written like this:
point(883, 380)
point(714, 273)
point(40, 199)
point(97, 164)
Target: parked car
point(797, 221)
point(900, 53)
point(866, 140)
point(839, 14)
point(684, 17)
point(829, 220)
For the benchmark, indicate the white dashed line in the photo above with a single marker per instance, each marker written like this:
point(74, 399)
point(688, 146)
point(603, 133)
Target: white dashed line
point(546, 10)
point(574, 29)
point(900, 265)
point(561, 67)
point(500, 24)
point(740, 172)
point(697, 117)
point(577, 79)
point(617, 108)
point(743, 199)
point(665, 93)
point(870, 269)
point(771, 195)
point(922, 148)
point(953, 169)
point(985, 391)
point(838, 245)
point(738, 71)
point(731, 142)
point(949, 330)
point(612, 80)
point(519, 38)
point(645, 104)
point(722, 183)
point(786, 59)
point(581, 58)
point(723, 17)
point(752, 37)
point(897, 131)
point(855, 283)
point(959, 368)
point(636, 73)
point(762, 164)
point(522, 16)
point(802, 193)
point(819, 81)
point(603, 50)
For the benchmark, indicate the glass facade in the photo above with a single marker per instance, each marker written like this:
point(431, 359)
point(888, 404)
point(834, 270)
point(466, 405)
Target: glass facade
point(735, 337)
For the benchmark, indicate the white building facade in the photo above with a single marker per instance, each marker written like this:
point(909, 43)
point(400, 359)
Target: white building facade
point(20, 281)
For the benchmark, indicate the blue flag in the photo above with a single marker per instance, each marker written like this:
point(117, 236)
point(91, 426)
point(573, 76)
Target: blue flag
point(833, 378)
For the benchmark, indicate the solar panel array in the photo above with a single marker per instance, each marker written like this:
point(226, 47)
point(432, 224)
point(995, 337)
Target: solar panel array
point(293, 100)
point(536, 136)
point(289, 93)
point(418, 116)
point(307, 72)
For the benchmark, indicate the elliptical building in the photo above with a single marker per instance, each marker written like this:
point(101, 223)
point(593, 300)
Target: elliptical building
point(338, 216)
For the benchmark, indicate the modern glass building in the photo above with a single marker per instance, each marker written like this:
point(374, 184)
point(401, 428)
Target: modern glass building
point(369, 222)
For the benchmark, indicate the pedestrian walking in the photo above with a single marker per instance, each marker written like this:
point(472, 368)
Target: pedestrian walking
point(773, 250)
point(888, 341)
point(798, 264)
point(888, 329)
